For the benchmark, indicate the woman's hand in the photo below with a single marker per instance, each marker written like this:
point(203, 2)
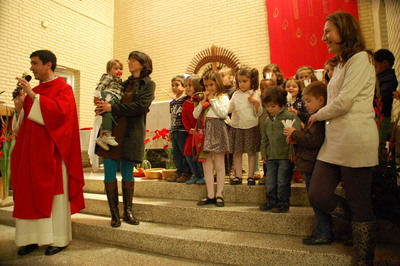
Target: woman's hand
point(396, 95)
point(312, 120)
point(96, 100)
point(102, 107)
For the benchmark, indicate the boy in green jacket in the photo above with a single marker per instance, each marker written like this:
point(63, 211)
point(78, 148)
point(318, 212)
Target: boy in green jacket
point(276, 153)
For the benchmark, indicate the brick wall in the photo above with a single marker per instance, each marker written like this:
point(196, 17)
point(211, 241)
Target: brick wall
point(392, 10)
point(366, 22)
point(173, 33)
point(80, 33)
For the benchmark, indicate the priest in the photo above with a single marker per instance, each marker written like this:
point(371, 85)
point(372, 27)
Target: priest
point(46, 166)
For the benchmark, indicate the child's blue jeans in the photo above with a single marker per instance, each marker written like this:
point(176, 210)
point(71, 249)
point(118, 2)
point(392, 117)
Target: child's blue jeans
point(196, 167)
point(178, 139)
point(279, 175)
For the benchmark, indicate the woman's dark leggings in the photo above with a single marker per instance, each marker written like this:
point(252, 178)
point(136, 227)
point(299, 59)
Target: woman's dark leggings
point(357, 187)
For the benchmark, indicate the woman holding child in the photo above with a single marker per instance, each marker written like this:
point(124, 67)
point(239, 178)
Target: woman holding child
point(129, 132)
point(350, 149)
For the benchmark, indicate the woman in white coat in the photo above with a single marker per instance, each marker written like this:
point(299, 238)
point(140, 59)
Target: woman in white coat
point(350, 149)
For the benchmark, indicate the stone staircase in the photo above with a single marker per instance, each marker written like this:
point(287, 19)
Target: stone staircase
point(172, 224)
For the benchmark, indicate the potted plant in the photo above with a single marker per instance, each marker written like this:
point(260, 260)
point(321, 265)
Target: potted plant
point(161, 139)
point(7, 142)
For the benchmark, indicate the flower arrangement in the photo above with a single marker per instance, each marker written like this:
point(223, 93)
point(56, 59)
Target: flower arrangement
point(161, 138)
point(7, 142)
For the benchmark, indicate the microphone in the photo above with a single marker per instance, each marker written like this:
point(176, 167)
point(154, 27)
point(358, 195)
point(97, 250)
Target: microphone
point(15, 93)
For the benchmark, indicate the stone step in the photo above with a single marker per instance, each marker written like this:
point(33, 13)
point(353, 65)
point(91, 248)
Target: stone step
point(216, 245)
point(299, 221)
point(234, 216)
point(84, 252)
point(155, 188)
point(211, 245)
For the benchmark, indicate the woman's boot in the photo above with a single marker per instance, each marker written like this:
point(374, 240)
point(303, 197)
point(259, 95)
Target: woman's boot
point(128, 188)
point(112, 197)
point(364, 237)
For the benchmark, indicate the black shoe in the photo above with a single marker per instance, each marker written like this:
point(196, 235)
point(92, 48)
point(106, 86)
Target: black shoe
point(266, 207)
point(251, 181)
point(281, 208)
point(316, 240)
point(219, 202)
point(236, 181)
point(27, 249)
point(50, 250)
point(206, 201)
point(348, 242)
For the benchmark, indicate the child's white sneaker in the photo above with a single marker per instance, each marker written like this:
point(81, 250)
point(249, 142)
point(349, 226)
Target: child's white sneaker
point(102, 144)
point(110, 140)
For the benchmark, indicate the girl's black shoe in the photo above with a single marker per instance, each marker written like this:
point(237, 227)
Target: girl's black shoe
point(206, 201)
point(251, 181)
point(219, 202)
point(236, 181)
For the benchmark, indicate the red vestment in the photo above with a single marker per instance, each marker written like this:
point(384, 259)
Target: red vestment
point(36, 173)
point(188, 122)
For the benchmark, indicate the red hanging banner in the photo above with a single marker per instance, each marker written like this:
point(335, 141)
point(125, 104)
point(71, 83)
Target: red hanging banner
point(295, 31)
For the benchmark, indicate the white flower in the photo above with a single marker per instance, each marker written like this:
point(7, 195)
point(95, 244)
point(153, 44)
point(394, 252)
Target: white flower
point(287, 123)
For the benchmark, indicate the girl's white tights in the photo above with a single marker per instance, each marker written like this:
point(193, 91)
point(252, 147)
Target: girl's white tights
point(208, 167)
point(237, 157)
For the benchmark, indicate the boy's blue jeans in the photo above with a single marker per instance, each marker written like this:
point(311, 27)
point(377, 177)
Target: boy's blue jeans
point(196, 167)
point(279, 175)
point(323, 223)
point(178, 139)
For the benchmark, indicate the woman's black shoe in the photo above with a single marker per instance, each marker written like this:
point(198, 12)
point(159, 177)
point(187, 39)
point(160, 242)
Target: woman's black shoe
point(206, 201)
point(27, 249)
point(219, 202)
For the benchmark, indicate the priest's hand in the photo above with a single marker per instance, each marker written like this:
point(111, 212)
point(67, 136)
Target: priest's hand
point(26, 87)
point(19, 101)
